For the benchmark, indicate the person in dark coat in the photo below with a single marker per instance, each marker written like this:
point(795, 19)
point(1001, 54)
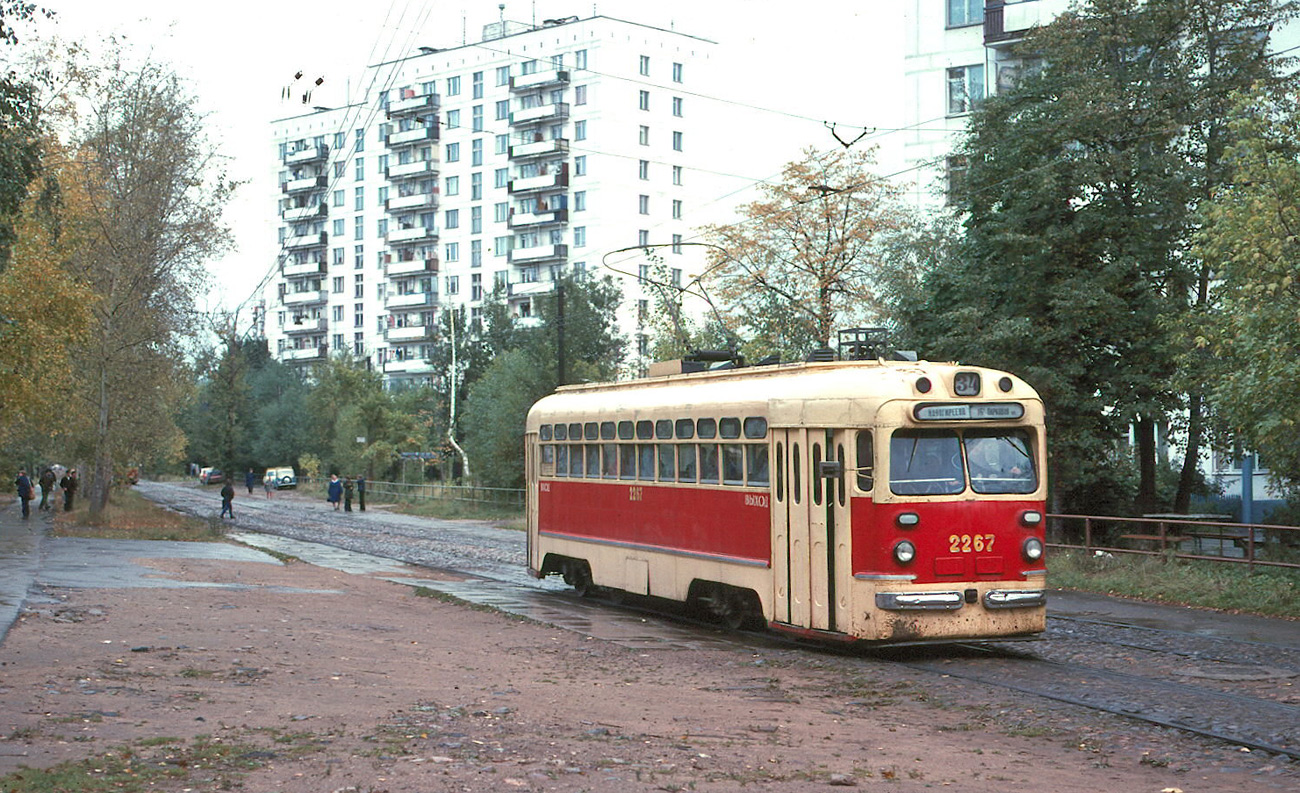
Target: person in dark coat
point(228, 500)
point(69, 485)
point(24, 484)
point(347, 494)
point(361, 492)
point(335, 491)
point(250, 481)
point(47, 487)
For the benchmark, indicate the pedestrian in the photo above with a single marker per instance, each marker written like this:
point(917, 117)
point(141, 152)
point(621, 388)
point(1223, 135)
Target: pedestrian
point(335, 491)
point(47, 487)
point(228, 500)
point(69, 485)
point(361, 492)
point(250, 479)
point(24, 484)
point(268, 482)
point(347, 494)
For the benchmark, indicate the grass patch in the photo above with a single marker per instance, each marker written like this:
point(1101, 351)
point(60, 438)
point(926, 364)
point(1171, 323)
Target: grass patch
point(1273, 592)
point(131, 516)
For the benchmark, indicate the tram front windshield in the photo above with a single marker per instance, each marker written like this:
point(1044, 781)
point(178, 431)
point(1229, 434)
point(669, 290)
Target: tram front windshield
point(942, 462)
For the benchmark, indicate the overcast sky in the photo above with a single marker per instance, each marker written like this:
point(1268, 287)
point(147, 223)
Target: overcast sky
point(808, 62)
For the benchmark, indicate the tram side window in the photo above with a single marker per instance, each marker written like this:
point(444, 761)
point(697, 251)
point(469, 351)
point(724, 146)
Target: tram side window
point(575, 460)
point(866, 462)
point(645, 430)
point(709, 463)
point(593, 461)
point(561, 460)
point(625, 430)
point(756, 463)
point(646, 461)
point(544, 432)
point(755, 427)
point(609, 453)
point(686, 462)
point(575, 431)
point(548, 460)
point(925, 463)
point(667, 462)
point(733, 464)
point(627, 461)
point(664, 429)
point(561, 432)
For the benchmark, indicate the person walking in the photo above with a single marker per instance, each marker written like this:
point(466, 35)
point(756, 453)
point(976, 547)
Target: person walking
point(268, 483)
point(335, 491)
point(250, 480)
point(69, 485)
point(228, 500)
point(47, 487)
point(24, 484)
point(347, 493)
point(361, 492)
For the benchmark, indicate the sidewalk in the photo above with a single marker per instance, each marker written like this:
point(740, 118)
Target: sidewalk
point(20, 544)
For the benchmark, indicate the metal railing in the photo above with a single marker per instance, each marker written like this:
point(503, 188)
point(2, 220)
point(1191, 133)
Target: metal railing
point(431, 491)
point(1252, 544)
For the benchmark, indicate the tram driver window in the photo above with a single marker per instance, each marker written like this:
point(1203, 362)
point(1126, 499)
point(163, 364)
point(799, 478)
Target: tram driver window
point(1000, 461)
point(866, 462)
point(925, 463)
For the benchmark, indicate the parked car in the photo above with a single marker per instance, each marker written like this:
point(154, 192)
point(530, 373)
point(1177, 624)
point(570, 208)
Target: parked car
point(282, 477)
point(210, 476)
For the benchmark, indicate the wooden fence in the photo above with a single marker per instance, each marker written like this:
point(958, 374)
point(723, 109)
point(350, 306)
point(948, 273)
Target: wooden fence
point(1183, 537)
point(430, 491)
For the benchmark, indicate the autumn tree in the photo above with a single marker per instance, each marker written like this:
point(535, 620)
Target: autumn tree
point(21, 125)
point(802, 261)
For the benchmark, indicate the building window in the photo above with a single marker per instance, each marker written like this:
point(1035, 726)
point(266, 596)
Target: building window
point(499, 212)
point(677, 106)
point(383, 196)
point(476, 286)
point(645, 66)
point(579, 130)
point(358, 257)
point(956, 179)
point(528, 67)
point(453, 119)
point(502, 144)
point(453, 152)
point(359, 228)
point(677, 174)
point(338, 341)
point(476, 186)
point(643, 237)
point(338, 313)
point(643, 204)
point(677, 68)
point(643, 169)
point(340, 140)
point(580, 201)
point(476, 123)
point(476, 152)
point(501, 246)
point(965, 88)
point(500, 177)
point(643, 101)
point(382, 228)
point(677, 243)
point(677, 209)
point(361, 169)
point(453, 86)
point(359, 199)
point(965, 12)
point(453, 255)
point(476, 253)
point(580, 165)
point(580, 95)
point(677, 141)
point(338, 198)
point(338, 227)
point(503, 75)
point(580, 59)
point(452, 219)
point(453, 185)
point(358, 287)
point(478, 85)
point(358, 317)
point(643, 135)
point(476, 219)
point(338, 285)
point(361, 139)
point(336, 256)
point(503, 110)
point(338, 169)
point(579, 236)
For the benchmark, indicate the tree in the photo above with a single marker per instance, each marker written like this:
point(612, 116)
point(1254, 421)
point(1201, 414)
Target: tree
point(802, 262)
point(20, 125)
point(156, 200)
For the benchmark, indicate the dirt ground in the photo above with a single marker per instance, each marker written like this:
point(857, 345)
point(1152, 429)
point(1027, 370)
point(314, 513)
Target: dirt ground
point(362, 685)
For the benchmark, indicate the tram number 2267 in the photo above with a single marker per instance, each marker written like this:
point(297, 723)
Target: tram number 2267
point(970, 543)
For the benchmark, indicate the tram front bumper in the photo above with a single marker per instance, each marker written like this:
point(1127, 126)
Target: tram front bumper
point(953, 600)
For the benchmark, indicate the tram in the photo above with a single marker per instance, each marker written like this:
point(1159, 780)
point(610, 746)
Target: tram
point(880, 501)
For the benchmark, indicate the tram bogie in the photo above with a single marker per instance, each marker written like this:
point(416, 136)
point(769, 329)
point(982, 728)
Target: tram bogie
point(886, 502)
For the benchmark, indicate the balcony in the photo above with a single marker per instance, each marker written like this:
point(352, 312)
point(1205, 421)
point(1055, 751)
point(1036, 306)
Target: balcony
point(410, 333)
point(530, 289)
point(408, 366)
point(306, 298)
point(408, 105)
point(305, 183)
point(406, 170)
point(551, 77)
point(546, 181)
point(540, 148)
point(523, 220)
point(409, 267)
point(412, 137)
point(1007, 21)
point(408, 202)
point(302, 268)
point(411, 300)
point(534, 115)
point(306, 241)
point(305, 354)
point(309, 154)
point(536, 254)
point(307, 325)
point(307, 212)
point(410, 236)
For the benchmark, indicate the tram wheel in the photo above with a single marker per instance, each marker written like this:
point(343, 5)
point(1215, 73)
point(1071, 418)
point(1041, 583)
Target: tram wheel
point(578, 576)
point(732, 607)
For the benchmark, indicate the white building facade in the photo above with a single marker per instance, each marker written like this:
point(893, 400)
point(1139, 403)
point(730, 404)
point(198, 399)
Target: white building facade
point(499, 165)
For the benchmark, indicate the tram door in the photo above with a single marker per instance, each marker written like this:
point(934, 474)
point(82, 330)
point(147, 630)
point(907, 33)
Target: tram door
point(810, 529)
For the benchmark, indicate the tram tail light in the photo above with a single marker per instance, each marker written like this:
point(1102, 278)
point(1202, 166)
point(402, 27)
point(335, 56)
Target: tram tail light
point(904, 552)
point(1032, 550)
point(1031, 518)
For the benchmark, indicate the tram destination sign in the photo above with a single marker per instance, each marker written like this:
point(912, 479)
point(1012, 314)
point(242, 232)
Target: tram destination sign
point(969, 411)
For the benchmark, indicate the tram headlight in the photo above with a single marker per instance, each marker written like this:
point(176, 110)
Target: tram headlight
point(1032, 549)
point(907, 520)
point(1031, 518)
point(904, 552)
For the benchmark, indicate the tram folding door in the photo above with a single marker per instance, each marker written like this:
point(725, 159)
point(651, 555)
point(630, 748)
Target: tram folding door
point(810, 530)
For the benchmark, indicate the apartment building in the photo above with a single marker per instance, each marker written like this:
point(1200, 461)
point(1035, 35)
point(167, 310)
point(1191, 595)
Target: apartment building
point(501, 164)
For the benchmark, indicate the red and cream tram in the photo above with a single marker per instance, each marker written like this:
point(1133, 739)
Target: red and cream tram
point(881, 501)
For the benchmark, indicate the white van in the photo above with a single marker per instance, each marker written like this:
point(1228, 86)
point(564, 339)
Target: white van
point(281, 477)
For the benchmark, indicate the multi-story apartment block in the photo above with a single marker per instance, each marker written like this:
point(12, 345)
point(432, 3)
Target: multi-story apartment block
point(498, 165)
